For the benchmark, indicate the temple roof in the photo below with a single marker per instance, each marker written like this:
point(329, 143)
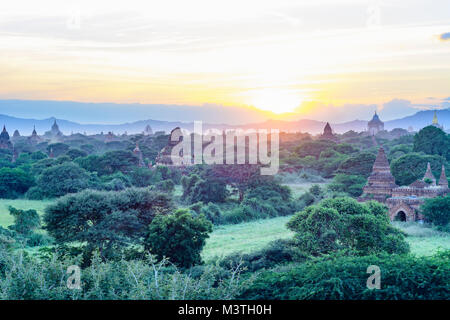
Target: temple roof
point(429, 175)
point(418, 184)
point(443, 178)
point(381, 162)
point(327, 129)
point(375, 120)
point(4, 135)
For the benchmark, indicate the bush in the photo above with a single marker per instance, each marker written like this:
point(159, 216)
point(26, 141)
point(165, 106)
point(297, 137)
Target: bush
point(350, 184)
point(276, 252)
point(403, 277)
point(178, 236)
point(197, 189)
point(108, 221)
point(437, 210)
point(343, 223)
point(60, 180)
point(14, 182)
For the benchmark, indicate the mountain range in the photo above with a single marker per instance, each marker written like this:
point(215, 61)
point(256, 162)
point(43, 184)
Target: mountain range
point(25, 126)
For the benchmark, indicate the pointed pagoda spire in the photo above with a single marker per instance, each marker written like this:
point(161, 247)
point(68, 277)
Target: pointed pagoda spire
point(443, 182)
point(34, 131)
point(381, 162)
point(4, 128)
point(429, 175)
point(435, 119)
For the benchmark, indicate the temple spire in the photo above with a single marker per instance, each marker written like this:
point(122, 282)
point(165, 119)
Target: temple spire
point(429, 175)
point(443, 182)
point(435, 119)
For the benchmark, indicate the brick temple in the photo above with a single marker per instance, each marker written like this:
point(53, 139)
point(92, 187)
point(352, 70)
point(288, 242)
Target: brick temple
point(403, 201)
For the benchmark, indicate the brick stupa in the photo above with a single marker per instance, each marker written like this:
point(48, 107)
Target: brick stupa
point(381, 182)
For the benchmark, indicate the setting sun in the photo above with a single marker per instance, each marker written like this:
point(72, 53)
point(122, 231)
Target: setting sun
point(275, 100)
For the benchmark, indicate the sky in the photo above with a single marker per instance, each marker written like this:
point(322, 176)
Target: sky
point(333, 60)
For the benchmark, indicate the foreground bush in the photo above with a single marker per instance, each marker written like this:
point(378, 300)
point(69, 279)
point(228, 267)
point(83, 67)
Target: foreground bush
point(345, 278)
point(437, 210)
point(24, 277)
point(344, 223)
point(178, 236)
point(107, 221)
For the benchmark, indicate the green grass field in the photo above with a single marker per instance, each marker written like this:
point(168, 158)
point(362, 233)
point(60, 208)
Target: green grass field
point(299, 188)
point(245, 237)
point(250, 236)
point(6, 219)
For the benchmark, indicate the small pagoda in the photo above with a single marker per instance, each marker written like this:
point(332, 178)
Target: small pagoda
point(328, 133)
point(381, 182)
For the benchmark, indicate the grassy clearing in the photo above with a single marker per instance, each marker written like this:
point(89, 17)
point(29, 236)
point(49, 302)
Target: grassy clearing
point(299, 188)
point(423, 239)
point(250, 236)
point(245, 237)
point(6, 219)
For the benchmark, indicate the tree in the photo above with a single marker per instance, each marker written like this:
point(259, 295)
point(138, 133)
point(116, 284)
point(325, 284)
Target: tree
point(25, 221)
point(432, 140)
point(58, 148)
point(411, 167)
point(61, 179)
point(351, 184)
point(178, 236)
point(76, 153)
point(107, 221)
point(437, 210)
point(314, 148)
point(238, 176)
point(14, 182)
point(360, 164)
point(196, 189)
point(344, 223)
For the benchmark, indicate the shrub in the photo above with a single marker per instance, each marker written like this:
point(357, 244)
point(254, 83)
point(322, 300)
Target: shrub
point(178, 236)
point(403, 277)
point(276, 252)
point(343, 223)
point(14, 182)
point(108, 221)
point(437, 210)
point(60, 180)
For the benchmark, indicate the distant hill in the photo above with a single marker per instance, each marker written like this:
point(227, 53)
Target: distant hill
point(420, 119)
point(25, 126)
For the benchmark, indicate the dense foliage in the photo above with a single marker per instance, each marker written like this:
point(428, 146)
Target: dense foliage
point(403, 277)
point(107, 221)
point(344, 223)
point(179, 237)
point(437, 210)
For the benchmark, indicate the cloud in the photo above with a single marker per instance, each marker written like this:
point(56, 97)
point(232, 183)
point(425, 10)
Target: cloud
point(397, 108)
point(445, 36)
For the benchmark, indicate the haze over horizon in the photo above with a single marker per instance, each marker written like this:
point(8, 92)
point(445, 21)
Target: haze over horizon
point(233, 62)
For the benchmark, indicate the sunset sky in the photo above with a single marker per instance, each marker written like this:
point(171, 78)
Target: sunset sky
point(338, 59)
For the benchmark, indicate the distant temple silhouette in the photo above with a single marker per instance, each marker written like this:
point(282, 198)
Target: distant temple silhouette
point(5, 142)
point(375, 125)
point(328, 133)
point(435, 122)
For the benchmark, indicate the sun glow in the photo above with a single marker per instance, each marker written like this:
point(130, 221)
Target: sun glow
point(275, 100)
